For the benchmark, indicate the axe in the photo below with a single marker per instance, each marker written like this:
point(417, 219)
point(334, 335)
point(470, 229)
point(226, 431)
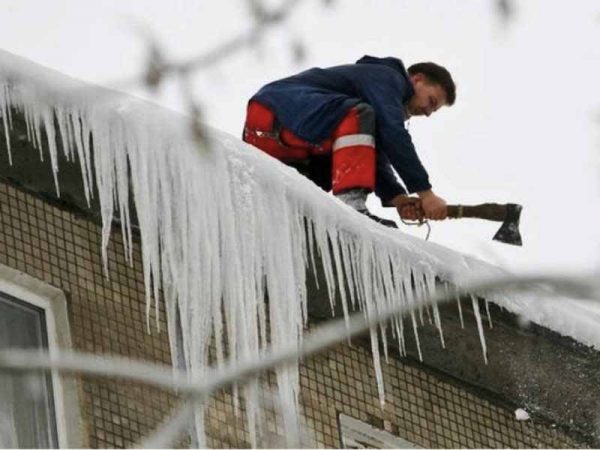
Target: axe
point(508, 214)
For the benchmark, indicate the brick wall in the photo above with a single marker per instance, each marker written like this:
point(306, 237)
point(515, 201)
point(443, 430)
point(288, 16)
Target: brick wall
point(105, 316)
point(62, 248)
point(423, 407)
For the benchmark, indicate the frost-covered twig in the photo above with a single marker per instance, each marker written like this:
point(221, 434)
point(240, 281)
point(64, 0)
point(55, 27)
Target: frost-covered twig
point(168, 432)
point(326, 336)
point(159, 66)
point(235, 44)
point(505, 9)
point(238, 372)
point(159, 375)
point(340, 330)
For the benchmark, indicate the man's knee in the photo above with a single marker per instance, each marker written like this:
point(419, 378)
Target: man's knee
point(353, 160)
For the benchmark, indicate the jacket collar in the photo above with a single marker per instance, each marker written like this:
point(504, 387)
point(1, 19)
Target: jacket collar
point(395, 64)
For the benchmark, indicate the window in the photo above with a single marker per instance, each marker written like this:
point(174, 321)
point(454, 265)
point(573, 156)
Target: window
point(355, 433)
point(26, 400)
point(35, 407)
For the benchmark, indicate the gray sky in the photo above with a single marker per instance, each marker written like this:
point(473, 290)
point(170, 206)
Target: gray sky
point(525, 127)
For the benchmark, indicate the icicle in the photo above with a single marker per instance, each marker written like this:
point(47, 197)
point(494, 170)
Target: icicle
point(377, 366)
point(48, 121)
point(30, 133)
point(220, 230)
point(368, 298)
point(489, 316)
point(431, 289)
point(401, 338)
point(408, 291)
point(342, 276)
point(64, 135)
point(479, 327)
point(401, 280)
point(424, 293)
point(383, 337)
point(36, 131)
point(83, 152)
point(416, 335)
point(8, 108)
point(199, 425)
point(460, 313)
point(310, 236)
point(323, 239)
point(358, 283)
point(75, 142)
point(252, 410)
point(420, 289)
point(418, 292)
point(397, 331)
point(5, 108)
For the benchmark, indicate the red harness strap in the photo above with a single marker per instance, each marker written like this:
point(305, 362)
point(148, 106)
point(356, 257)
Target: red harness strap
point(263, 131)
point(352, 145)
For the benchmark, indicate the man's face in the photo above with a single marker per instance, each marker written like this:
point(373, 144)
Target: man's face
point(428, 98)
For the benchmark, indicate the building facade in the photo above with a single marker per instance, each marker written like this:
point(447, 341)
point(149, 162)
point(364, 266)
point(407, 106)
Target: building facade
point(55, 294)
point(43, 243)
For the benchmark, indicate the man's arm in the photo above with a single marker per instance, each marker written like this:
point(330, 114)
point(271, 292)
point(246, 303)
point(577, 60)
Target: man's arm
point(392, 193)
point(404, 159)
point(387, 186)
point(395, 144)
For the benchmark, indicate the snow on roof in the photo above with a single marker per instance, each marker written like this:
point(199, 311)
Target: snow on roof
point(221, 226)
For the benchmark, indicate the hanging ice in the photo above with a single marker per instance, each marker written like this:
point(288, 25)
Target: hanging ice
point(222, 227)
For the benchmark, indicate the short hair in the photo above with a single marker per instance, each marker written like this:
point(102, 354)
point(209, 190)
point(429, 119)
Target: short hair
point(438, 75)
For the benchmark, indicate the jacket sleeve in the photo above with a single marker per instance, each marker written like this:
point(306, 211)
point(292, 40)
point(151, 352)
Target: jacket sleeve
point(384, 93)
point(386, 183)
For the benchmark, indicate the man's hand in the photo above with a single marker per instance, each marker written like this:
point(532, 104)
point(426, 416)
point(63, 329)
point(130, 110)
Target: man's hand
point(434, 207)
point(409, 208)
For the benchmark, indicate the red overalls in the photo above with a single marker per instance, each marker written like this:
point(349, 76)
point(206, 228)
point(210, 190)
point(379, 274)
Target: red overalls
point(346, 160)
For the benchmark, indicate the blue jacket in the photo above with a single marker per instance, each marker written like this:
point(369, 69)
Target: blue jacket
point(313, 102)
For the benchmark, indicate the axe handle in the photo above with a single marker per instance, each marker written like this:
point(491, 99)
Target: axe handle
point(488, 211)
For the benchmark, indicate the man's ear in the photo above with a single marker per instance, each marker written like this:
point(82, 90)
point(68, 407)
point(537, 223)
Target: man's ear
point(417, 77)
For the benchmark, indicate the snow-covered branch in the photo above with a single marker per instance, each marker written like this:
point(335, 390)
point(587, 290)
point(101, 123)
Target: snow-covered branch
point(241, 370)
point(158, 65)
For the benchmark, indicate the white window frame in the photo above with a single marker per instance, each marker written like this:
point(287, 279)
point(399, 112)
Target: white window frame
point(69, 425)
point(354, 430)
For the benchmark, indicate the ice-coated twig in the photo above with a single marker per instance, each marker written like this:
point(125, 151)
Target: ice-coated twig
point(505, 9)
point(222, 51)
point(239, 372)
point(324, 337)
point(159, 375)
point(168, 432)
point(339, 330)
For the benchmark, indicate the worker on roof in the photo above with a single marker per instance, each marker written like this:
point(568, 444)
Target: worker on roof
point(344, 128)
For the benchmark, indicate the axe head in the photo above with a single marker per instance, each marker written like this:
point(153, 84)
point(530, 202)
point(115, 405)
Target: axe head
point(509, 231)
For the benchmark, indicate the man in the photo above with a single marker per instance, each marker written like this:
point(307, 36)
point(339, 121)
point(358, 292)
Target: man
point(343, 127)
